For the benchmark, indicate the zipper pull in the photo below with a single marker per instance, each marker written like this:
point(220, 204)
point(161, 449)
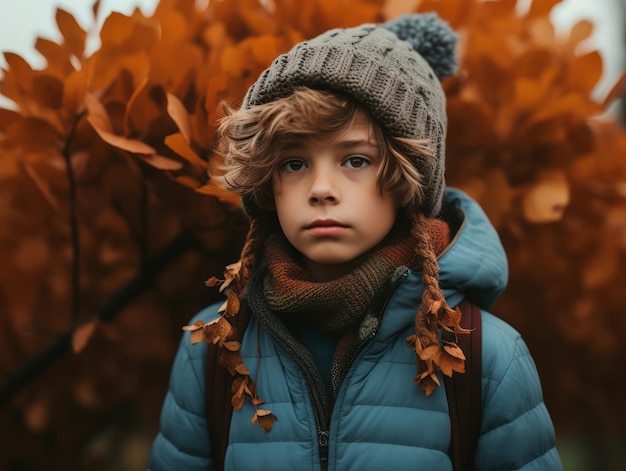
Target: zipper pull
point(322, 437)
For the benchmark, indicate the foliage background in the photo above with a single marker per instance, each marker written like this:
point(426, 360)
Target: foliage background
point(110, 224)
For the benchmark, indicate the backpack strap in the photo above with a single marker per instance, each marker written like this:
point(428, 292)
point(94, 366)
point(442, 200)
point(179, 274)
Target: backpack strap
point(464, 391)
point(219, 408)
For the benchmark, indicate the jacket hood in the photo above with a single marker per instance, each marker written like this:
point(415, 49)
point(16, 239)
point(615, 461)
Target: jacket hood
point(474, 265)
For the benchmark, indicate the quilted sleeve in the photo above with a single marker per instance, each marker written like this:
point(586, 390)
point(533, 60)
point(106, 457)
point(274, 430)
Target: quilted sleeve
point(516, 432)
point(183, 441)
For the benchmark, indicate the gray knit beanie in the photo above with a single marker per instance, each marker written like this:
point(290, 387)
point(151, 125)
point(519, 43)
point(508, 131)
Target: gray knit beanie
point(393, 71)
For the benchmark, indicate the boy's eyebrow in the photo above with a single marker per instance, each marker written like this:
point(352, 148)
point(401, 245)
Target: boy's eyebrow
point(358, 143)
point(345, 144)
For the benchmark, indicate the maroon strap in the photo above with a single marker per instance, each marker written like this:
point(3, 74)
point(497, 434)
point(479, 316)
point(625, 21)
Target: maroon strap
point(464, 391)
point(219, 408)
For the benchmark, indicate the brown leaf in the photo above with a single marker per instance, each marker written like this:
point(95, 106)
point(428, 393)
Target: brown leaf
point(213, 281)
point(218, 330)
point(232, 346)
point(430, 352)
point(233, 305)
point(265, 419)
point(233, 362)
point(455, 351)
point(222, 308)
point(197, 331)
point(241, 369)
point(238, 389)
point(95, 9)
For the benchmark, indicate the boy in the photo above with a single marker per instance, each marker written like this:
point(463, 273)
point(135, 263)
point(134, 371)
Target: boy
point(354, 254)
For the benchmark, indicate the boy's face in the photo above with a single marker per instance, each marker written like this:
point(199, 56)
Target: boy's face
point(327, 199)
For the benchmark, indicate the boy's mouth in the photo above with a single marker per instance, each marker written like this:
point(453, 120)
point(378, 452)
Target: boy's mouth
point(325, 228)
point(324, 223)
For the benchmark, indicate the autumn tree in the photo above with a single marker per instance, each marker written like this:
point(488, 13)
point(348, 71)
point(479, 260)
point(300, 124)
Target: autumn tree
point(112, 220)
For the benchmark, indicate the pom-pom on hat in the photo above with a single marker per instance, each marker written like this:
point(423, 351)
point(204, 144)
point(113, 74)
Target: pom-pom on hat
point(393, 71)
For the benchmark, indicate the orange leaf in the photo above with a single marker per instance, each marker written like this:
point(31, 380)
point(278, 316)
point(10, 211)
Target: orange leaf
point(82, 334)
point(188, 181)
point(124, 143)
point(19, 67)
point(585, 72)
point(541, 8)
point(43, 186)
point(180, 145)
point(221, 194)
point(57, 56)
point(74, 91)
point(48, 91)
point(33, 135)
point(581, 31)
point(99, 120)
point(547, 199)
point(155, 160)
point(178, 113)
point(73, 34)
point(7, 118)
point(394, 8)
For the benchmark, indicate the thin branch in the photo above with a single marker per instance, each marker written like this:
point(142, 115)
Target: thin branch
point(73, 223)
point(119, 300)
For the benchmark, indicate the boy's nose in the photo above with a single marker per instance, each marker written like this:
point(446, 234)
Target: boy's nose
point(323, 189)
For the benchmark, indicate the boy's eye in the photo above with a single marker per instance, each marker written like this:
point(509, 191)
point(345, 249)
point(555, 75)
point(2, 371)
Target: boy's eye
point(292, 165)
point(356, 162)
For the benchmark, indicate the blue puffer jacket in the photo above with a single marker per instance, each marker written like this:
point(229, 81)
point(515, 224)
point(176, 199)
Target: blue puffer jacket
point(380, 419)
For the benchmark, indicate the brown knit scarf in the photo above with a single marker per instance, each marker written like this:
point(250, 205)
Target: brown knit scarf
point(339, 306)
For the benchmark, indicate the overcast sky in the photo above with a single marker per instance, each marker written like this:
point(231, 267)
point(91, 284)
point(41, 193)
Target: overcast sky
point(21, 21)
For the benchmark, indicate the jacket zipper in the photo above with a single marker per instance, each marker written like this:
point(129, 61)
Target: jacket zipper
point(324, 427)
point(319, 399)
point(402, 273)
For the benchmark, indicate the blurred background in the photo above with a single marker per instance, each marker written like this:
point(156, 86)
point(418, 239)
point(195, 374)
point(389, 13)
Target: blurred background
point(110, 223)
